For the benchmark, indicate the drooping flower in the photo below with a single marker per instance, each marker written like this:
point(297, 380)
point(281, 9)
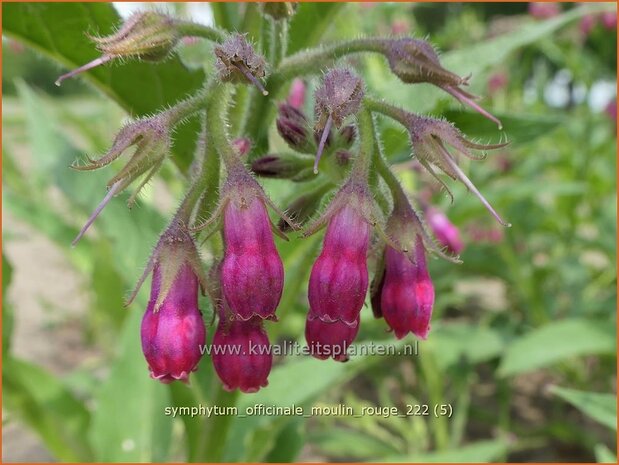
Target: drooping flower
point(339, 278)
point(407, 292)
point(172, 330)
point(252, 272)
point(147, 35)
point(241, 354)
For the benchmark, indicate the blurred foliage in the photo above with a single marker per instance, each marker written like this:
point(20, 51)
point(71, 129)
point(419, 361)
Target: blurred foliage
point(523, 341)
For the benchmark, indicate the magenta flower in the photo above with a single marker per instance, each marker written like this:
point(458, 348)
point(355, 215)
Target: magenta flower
point(446, 233)
point(296, 97)
point(173, 333)
point(241, 354)
point(586, 25)
point(609, 20)
point(330, 339)
point(407, 292)
point(252, 273)
point(611, 110)
point(339, 278)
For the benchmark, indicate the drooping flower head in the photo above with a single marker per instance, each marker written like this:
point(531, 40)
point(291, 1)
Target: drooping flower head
point(152, 141)
point(339, 278)
point(339, 97)
point(237, 61)
point(146, 35)
point(252, 273)
point(172, 329)
point(415, 61)
point(407, 292)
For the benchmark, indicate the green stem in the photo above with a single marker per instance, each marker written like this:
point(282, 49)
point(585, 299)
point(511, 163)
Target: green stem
point(434, 383)
point(279, 41)
point(384, 108)
point(216, 114)
point(189, 106)
point(219, 426)
point(315, 60)
point(367, 143)
point(188, 28)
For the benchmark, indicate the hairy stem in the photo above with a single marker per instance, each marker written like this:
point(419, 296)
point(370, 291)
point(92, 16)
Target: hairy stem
point(188, 28)
point(315, 60)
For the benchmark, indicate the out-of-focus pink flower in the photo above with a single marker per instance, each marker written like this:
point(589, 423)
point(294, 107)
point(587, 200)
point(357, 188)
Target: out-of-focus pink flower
point(484, 235)
point(399, 27)
point(242, 145)
point(544, 10)
point(444, 230)
point(296, 97)
point(609, 20)
point(497, 81)
point(587, 23)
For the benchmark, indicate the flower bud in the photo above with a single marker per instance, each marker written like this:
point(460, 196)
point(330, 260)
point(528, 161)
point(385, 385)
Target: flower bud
point(330, 339)
point(338, 98)
point(415, 61)
point(446, 233)
point(407, 293)
point(252, 272)
point(238, 62)
point(297, 168)
point(146, 35)
point(172, 329)
point(280, 10)
point(339, 279)
point(151, 137)
point(241, 354)
point(293, 127)
point(296, 96)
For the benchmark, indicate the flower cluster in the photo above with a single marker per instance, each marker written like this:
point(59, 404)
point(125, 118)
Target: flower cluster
point(356, 198)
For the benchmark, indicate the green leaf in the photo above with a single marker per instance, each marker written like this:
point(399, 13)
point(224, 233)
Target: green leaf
point(310, 22)
point(346, 443)
point(41, 401)
point(481, 451)
point(601, 407)
point(452, 342)
point(557, 341)
point(128, 423)
point(59, 31)
point(288, 443)
point(603, 454)
point(7, 310)
point(519, 129)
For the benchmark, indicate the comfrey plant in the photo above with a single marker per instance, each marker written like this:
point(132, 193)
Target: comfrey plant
point(336, 149)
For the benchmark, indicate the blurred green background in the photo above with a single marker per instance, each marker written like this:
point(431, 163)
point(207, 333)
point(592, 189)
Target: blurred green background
point(523, 341)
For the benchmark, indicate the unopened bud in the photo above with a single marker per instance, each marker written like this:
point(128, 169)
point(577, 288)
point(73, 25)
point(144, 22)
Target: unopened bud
point(280, 10)
point(292, 126)
point(295, 167)
point(145, 35)
point(238, 62)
